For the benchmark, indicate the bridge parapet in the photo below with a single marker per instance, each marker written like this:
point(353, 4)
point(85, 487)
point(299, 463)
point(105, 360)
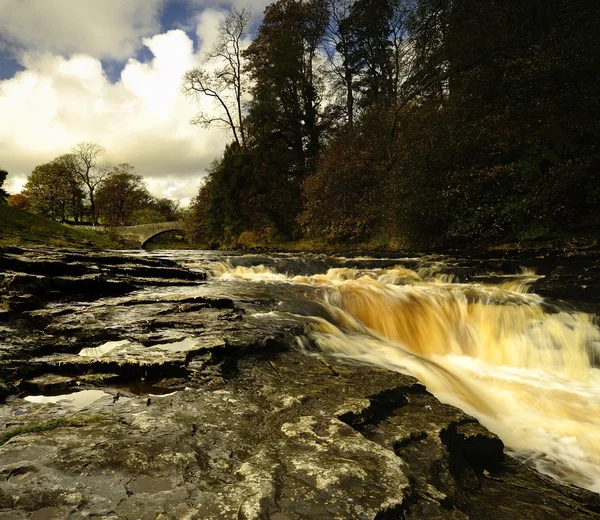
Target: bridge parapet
point(141, 234)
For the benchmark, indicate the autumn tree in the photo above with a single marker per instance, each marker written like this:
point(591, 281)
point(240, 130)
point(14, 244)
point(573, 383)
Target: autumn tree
point(222, 78)
point(18, 200)
point(347, 197)
point(120, 194)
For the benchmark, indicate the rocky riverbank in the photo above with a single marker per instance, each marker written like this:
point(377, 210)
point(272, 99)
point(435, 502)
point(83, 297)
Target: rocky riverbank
point(135, 388)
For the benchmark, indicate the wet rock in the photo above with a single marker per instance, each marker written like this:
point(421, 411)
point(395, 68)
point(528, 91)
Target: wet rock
point(32, 277)
point(270, 444)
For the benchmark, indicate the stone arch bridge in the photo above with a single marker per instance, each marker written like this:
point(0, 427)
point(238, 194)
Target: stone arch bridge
point(141, 234)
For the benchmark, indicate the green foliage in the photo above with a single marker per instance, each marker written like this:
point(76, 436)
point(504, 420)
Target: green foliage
point(510, 150)
point(23, 228)
point(74, 422)
point(511, 153)
point(287, 97)
point(168, 209)
point(244, 193)
point(54, 191)
point(146, 216)
point(120, 194)
point(3, 194)
point(373, 28)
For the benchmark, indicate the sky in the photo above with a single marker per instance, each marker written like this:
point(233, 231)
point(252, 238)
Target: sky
point(108, 72)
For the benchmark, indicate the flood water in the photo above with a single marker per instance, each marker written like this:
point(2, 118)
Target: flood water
point(480, 339)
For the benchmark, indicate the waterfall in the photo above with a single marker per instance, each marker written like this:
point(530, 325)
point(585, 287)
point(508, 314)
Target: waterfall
point(525, 369)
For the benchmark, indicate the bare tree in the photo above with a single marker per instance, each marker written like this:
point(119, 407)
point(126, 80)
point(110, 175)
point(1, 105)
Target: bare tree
point(84, 157)
point(225, 83)
point(401, 45)
point(337, 47)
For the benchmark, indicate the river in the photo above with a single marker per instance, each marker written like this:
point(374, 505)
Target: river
point(156, 344)
point(526, 367)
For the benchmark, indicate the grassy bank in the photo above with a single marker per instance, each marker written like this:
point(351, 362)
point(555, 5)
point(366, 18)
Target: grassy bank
point(567, 242)
point(21, 228)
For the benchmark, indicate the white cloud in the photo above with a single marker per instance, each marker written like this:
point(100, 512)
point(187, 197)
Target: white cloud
point(100, 28)
point(207, 29)
point(142, 119)
point(254, 6)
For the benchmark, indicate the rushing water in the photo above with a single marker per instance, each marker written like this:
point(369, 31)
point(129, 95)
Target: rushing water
point(525, 367)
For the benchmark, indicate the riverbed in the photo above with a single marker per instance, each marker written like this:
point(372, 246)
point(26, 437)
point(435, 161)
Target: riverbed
point(229, 385)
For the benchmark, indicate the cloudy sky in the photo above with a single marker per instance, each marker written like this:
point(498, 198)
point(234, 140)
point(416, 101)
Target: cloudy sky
point(107, 71)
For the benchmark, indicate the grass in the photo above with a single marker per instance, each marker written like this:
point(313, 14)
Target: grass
point(21, 228)
point(249, 242)
point(76, 422)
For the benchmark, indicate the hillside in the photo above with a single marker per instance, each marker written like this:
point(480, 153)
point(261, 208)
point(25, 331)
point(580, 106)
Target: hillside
point(18, 227)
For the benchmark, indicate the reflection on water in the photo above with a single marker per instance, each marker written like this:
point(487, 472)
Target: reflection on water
point(184, 345)
point(525, 369)
point(76, 400)
point(101, 350)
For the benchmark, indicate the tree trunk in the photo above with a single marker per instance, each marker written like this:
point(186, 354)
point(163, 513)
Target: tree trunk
point(92, 206)
point(349, 97)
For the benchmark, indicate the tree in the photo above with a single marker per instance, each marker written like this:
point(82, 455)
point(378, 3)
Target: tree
point(346, 198)
point(459, 121)
point(167, 208)
point(3, 194)
point(83, 161)
point(195, 220)
point(160, 209)
point(337, 45)
point(146, 216)
point(377, 48)
point(509, 148)
point(225, 83)
point(66, 164)
point(120, 194)
point(282, 62)
point(18, 200)
point(53, 190)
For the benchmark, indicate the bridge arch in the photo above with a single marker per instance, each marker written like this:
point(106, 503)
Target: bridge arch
point(144, 243)
point(141, 233)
